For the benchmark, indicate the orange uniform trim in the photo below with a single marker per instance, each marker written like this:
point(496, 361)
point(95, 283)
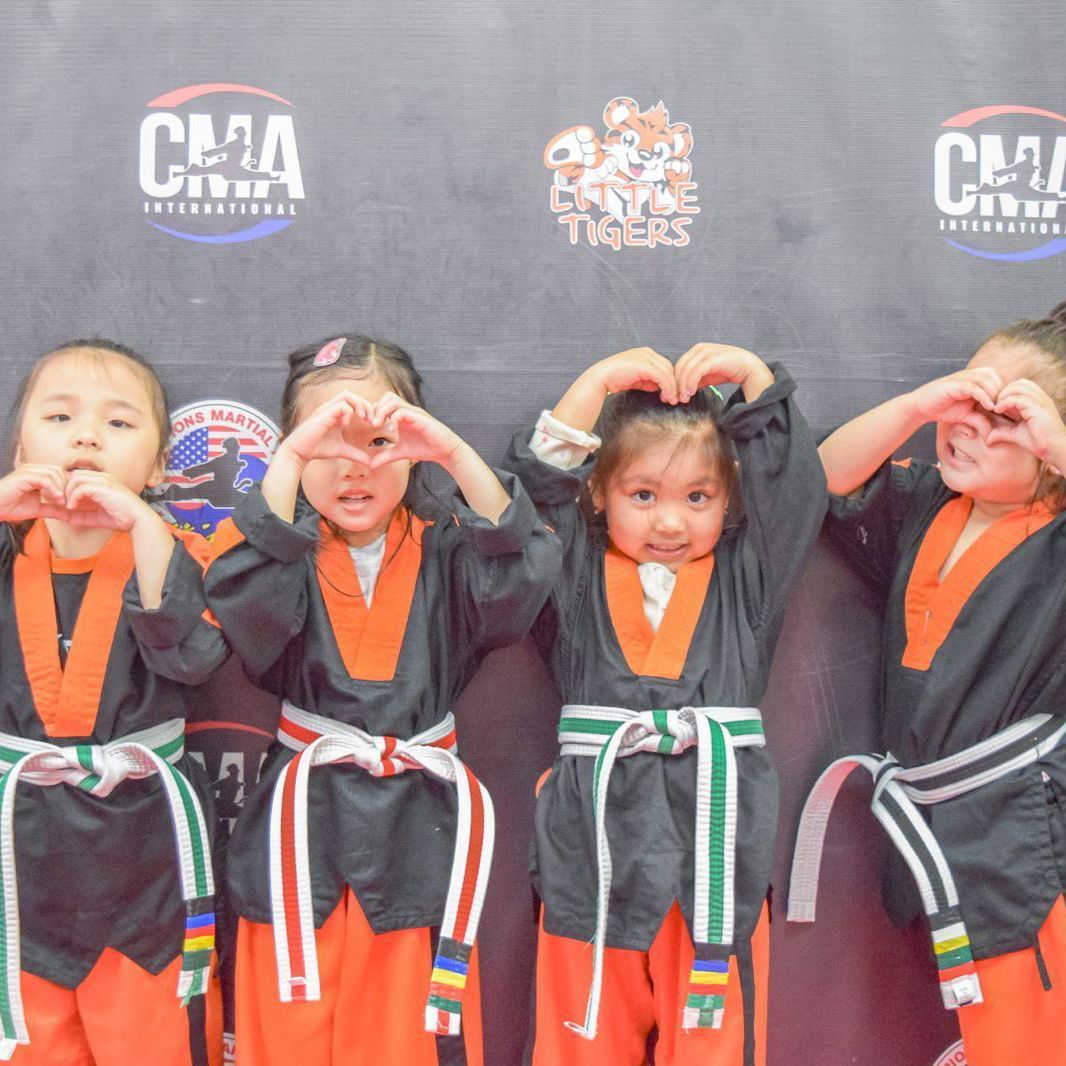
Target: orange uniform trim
point(647, 653)
point(227, 535)
point(201, 550)
point(369, 642)
point(67, 700)
point(932, 606)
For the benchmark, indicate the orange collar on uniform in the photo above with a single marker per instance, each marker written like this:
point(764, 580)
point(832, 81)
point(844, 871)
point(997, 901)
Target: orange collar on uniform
point(67, 700)
point(661, 653)
point(932, 606)
point(371, 651)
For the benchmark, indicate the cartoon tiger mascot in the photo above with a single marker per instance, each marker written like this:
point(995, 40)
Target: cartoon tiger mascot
point(640, 148)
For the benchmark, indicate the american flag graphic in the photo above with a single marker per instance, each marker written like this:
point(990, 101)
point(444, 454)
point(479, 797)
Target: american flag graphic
point(204, 477)
point(204, 444)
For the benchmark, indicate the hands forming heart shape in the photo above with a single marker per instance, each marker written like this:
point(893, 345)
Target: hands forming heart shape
point(703, 364)
point(1022, 413)
point(407, 432)
point(80, 497)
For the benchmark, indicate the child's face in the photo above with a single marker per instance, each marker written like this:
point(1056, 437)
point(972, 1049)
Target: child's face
point(667, 506)
point(999, 473)
point(92, 411)
point(359, 501)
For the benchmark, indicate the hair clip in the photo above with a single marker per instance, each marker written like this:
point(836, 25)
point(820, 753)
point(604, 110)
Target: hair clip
point(329, 353)
point(721, 398)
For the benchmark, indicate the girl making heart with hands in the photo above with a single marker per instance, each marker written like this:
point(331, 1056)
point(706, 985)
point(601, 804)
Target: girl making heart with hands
point(359, 883)
point(105, 630)
point(971, 553)
point(655, 825)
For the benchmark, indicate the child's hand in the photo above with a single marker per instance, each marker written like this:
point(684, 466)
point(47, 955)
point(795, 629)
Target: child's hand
point(99, 500)
point(952, 398)
point(410, 432)
point(33, 491)
point(322, 434)
point(636, 368)
point(1037, 425)
point(715, 364)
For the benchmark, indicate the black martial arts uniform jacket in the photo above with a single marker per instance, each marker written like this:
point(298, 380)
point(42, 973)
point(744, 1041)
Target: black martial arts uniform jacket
point(962, 659)
point(288, 598)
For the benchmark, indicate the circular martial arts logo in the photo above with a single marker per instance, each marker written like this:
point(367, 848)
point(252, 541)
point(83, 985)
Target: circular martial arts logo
point(218, 450)
point(954, 1056)
point(998, 182)
point(630, 186)
point(219, 163)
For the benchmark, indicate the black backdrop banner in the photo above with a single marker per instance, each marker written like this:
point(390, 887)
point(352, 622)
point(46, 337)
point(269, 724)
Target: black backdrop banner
point(863, 191)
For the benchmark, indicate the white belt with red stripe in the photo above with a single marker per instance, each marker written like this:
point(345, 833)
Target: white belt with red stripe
point(320, 741)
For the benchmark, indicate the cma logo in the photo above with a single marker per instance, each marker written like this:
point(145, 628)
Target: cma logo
point(998, 178)
point(219, 175)
point(1022, 181)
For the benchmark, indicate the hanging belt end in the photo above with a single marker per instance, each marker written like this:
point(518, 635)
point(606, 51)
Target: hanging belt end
point(707, 985)
point(705, 1016)
point(442, 1022)
point(8, 1048)
point(959, 983)
point(298, 990)
point(447, 985)
point(586, 1032)
point(963, 990)
point(801, 910)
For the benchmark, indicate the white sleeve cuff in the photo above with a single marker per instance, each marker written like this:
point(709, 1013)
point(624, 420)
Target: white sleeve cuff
point(560, 445)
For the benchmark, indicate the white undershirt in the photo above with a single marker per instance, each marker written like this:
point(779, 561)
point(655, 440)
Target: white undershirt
point(565, 448)
point(367, 562)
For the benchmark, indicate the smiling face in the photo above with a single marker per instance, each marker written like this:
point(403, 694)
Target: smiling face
point(667, 505)
point(92, 409)
point(359, 501)
point(1002, 473)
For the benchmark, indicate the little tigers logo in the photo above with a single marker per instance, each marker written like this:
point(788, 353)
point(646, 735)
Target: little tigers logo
point(631, 186)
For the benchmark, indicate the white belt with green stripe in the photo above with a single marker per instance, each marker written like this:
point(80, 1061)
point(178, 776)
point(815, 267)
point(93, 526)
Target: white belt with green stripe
point(98, 769)
point(609, 733)
point(896, 791)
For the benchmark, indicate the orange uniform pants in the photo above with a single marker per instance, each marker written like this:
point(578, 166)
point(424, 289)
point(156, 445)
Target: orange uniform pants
point(374, 989)
point(120, 1015)
point(642, 991)
point(1020, 1022)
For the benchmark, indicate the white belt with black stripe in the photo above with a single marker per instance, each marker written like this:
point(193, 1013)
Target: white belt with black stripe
point(897, 790)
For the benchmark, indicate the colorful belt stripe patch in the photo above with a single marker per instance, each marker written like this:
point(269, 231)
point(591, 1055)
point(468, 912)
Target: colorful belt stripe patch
point(959, 982)
point(609, 733)
point(708, 985)
point(319, 741)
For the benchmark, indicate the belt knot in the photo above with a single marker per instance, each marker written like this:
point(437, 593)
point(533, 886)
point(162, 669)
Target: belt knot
point(393, 758)
point(667, 732)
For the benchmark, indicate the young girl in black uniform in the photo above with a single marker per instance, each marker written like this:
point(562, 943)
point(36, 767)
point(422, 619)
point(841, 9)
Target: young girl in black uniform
point(972, 553)
point(357, 880)
point(109, 927)
point(655, 826)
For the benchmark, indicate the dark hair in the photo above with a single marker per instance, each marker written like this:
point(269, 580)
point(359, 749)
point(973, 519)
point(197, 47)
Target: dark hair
point(1047, 339)
point(102, 350)
point(359, 358)
point(632, 420)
